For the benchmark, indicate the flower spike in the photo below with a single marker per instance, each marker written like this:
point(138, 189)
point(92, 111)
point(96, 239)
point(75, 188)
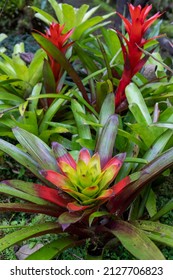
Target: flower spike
point(60, 40)
point(133, 61)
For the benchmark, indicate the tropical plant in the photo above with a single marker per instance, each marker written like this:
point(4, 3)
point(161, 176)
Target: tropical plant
point(81, 194)
point(81, 19)
point(95, 182)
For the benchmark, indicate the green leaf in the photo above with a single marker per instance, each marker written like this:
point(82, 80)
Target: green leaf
point(106, 140)
point(87, 143)
point(81, 13)
point(103, 88)
point(89, 13)
point(83, 101)
point(85, 27)
point(147, 133)
point(164, 125)
point(140, 118)
point(22, 108)
point(58, 10)
point(97, 214)
point(21, 157)
point(69, 16)
point(112, 46)
point(132, 138)
point(165, 209)
point(85, 58)
point(133, 239)
point(157, 231)
point(69, 128)
point(52, 249)
point(46, 17)
point(135, 160)
point(4, 95)
point(2, 36)
point(107, 109)
point(26, 233)
point(51, 111)
point(38, 149)
point(6, 80)
point(50, 95)
point(158, 146)
point(35, 93)
point(49, 79)
point(151, 203)
point(35, 67)
point(134, 96)
point(83, 128)
point(6, 69)
point(67, 218)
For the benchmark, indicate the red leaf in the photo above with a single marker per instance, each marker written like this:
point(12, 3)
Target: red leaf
point(121, 192)
point(116, 161)
point(120, 185)
point(51, 195)
point(74, 206)
point(57, 179)
point(84, 155)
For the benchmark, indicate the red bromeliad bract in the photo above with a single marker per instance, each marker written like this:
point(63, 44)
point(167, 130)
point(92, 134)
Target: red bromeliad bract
point(133, 61)
point(59, 39)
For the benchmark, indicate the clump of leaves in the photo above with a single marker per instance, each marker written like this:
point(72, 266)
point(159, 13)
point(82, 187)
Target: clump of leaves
point(94, 207)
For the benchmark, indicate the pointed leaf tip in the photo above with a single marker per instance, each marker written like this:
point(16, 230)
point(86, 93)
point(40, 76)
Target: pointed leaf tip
point(84, 155)
point(106, 140)
point(62, 155)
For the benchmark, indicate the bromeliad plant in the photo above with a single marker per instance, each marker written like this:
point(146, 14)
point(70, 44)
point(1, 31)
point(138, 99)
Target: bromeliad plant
point(95, 181)
point(83, 194)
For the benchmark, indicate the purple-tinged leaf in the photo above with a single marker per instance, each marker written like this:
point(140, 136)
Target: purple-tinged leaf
point(22, 158)
point(28, 232)
point(106, 140)
point(61, 154)
point(30, 208)
point(97, 214)
point(107, 109)
point(54, 248)
point(156, 231)
point(136, 242)
point(66, 219)
point(147, 174)
point(38, 149)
